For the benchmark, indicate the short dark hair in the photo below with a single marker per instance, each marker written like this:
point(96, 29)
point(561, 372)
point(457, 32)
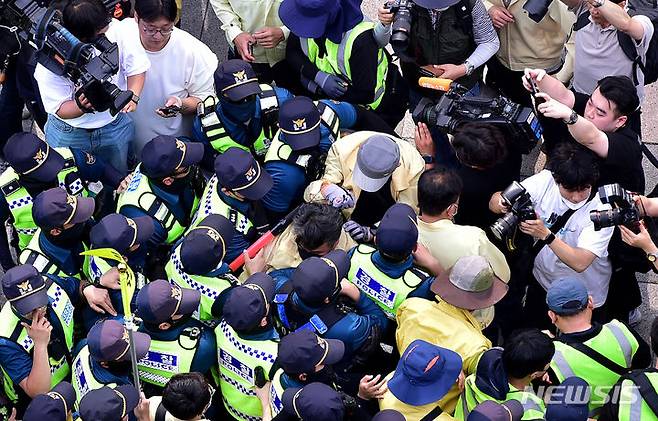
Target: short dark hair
point(654, 336)
point(317, 224)
point(84, 18)
point(151, 10)
point(479, 145)
point(186, 395)
point(527, 351)
point(438, 188)
point(620, 90)
point(574, 167)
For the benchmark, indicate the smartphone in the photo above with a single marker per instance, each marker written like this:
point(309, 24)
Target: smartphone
point(250, 47)
point(536, 100)
point(169, 111)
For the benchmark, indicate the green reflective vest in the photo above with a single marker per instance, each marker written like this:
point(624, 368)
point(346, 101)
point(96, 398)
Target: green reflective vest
point(35, 256)
point(168, 358)
point(209, 287)
point(387, 292)
point(276, 393)
point(220, 140)
point(20, 201)
point(337, 60)
point(98, 266)
point(632, 406)
point(211, 203)
point(615, 342)
point(83, 379)
point(238, 359)
point(11, 329)
point(140, 195)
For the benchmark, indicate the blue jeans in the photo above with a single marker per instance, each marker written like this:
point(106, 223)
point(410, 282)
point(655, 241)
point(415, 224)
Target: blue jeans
point(110, 142)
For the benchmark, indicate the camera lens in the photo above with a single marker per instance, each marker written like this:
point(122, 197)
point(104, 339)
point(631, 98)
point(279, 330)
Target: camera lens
point(604, 218)
point(504, 226)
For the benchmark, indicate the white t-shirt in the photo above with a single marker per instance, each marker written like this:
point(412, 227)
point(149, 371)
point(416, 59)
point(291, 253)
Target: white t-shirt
point(56, 90)
point(184, 67)
point(578, 232)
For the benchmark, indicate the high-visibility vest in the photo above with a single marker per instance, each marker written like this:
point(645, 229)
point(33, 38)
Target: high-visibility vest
point(632, 405)
point(336, 61)
point(83, 378)
point(140, 195)
point(98, 266)
point(20, 202)
point(387, 292)
point(211, 203)
point(238, 361)
point(276, 393)
point(34, 255)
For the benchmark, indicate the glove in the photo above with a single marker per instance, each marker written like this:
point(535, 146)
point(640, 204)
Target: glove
point(332, 85)
point(338, 197)
point(310, 85)
point(359, 233)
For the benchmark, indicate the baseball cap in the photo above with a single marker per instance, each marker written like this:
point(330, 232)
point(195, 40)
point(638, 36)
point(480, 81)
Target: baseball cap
point(159, 300)
point(29, 155)
point(397, 233)
point(55, 208)
point(237, 170)
point(388, 415)
point(301, 351)
point(315, 401)
point(571, 403)
point(424, 373)
point(53, 406)
point(121, 233)
point(567, 296)
point(24, 288)
point(299, 121)
point(511, 410)
point(248, 303)
point(109, 404)
point(163, 155)
point(470, 284)
point(376, 160)
point(109, 341)
point(317, 278)
point(235, 79)
point(204, 246)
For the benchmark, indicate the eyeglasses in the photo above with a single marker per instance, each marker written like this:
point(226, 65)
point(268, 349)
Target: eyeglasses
point(151, 32)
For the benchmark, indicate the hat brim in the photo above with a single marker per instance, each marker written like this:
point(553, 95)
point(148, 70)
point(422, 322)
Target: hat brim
point(31, 302)
point(435, 4)
point(240, 92)
point(335, 353)
point(366, 183)
point(466, 299)
point(416, 394)
point(259, 188)
point(145, 229)
point(131, 395)
point(50, 167)
point(193, 154)
point(66, 390)
point(515, 408)
point(287, 400)
point(142, 343)
point(302, 141)
point(189, 301)
point(300, 24)
point(84, 209)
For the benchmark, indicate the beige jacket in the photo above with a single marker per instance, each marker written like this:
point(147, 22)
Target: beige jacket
point(341, 160)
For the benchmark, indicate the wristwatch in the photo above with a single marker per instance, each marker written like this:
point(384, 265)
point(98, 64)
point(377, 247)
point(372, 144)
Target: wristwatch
point(572, 118)
point(469, 67)
point(652, 257)
point(135, 99)
point(549, 239)
point(429, 159)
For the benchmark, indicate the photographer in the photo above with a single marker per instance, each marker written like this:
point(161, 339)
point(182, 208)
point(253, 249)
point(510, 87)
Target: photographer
point(72, 122)
point(562, 199)
point(648, 206)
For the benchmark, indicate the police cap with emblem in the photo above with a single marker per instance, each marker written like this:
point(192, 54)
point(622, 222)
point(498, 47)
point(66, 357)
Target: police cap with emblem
point(55, 208)
point(204, 246)
point(121, 233)
point(31, 156)
point(109, 341)
point(24, 288)
point(109, 403)
point(159, 300)
point(397, 234)
point(54, 405)
point(248, 303)
point(317, 278)
point(301, 351)
point(163, 155)
point(299, 121)
point(238, 171)
point(235, 79)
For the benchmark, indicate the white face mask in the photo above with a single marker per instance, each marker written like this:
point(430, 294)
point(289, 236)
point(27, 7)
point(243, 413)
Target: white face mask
point(484, 316)
point(572, 205)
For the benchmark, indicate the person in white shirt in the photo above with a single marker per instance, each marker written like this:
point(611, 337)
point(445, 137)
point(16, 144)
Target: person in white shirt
point(72, 122)
point(577, 250)
point(181, 72)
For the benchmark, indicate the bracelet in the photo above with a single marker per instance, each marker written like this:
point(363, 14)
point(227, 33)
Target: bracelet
point(549, 239)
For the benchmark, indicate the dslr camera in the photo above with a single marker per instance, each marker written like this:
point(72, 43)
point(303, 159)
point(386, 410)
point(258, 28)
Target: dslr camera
point(520, 203)
point(624, 210)
point(520, 124)
point(401, 26)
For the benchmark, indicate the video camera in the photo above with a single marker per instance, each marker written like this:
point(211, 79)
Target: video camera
point(521, 209)
point(624, 211)
point(63, 54)
point(519, 123)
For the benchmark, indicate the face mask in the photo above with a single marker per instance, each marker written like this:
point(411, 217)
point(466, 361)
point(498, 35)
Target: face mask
point(484, 316)
point(326, 376)
point(37, 185)
point(119, 368)
point(305, 254)
point(240, 112)
point(70, 236)
point(572, 205)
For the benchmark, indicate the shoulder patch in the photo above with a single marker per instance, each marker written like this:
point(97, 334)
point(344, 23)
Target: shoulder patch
point(90, 159)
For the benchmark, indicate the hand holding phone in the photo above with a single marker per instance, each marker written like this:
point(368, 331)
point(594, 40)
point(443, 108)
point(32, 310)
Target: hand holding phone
point(170, 111)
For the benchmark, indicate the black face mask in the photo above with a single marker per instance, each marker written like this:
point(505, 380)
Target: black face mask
point(119, 368)
point(327, 376)
point(178, 185)
point(71, 236)
point(305, 254)
point(36, 186)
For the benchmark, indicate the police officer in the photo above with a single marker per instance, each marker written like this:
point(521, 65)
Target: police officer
point(316, 298)
point(197, 262)
point(57, 404)
point(111, 403)
point(247, 345)
point(103, 358)
point(163, 187)
point(244, 114)
point(36, 332)
point(35, 167)
point(319, 402)
point(235, 192)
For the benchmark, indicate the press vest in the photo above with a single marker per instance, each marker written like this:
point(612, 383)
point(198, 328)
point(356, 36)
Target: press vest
point(388, 293)
point(632, 406)
point(276, 393)
point(35, 256)
point(140, 195)
point(209, 287)
point(20, 201)
point(615, 342)
point(220, 140)
point(238, 360)
point(168, 358)
point(83, 378)
point(337, 59)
